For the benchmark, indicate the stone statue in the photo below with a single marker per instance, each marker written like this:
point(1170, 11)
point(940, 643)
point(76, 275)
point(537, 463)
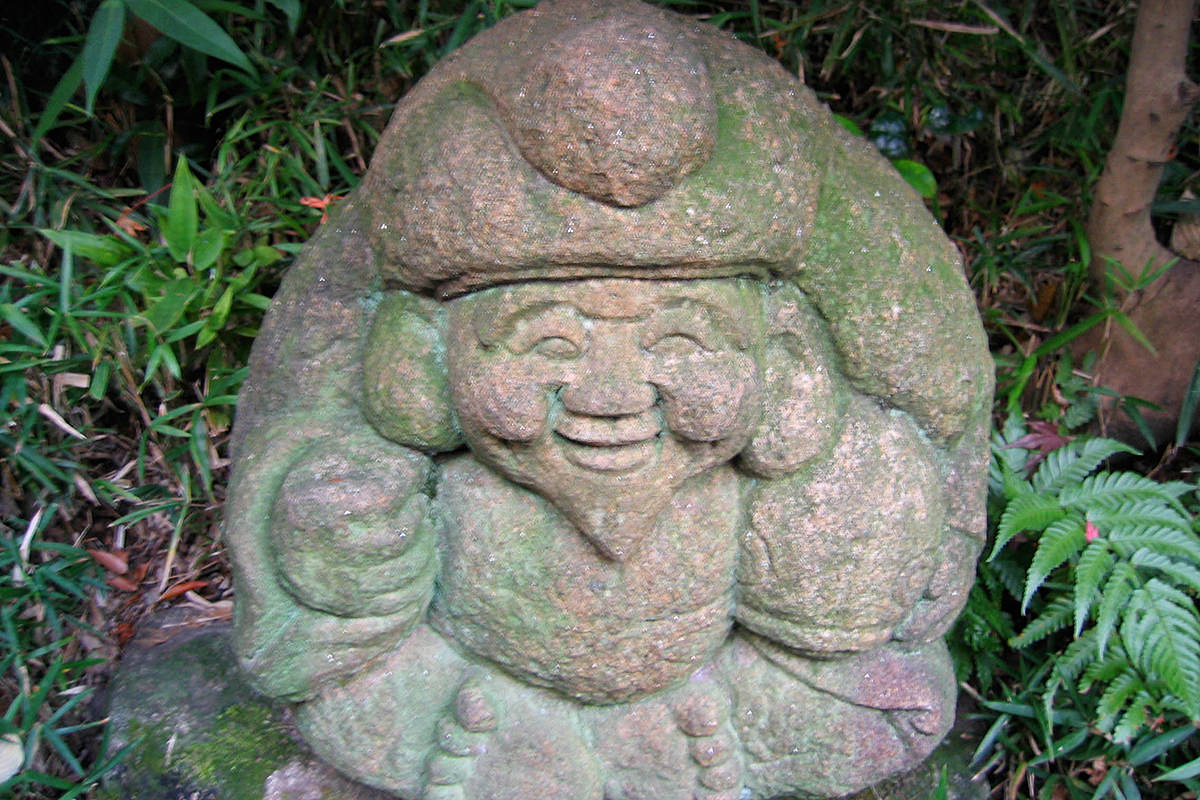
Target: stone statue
point(622, 437)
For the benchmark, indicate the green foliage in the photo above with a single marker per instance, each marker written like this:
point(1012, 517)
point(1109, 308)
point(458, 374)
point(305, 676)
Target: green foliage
point(1108, 575)
point(51, 579)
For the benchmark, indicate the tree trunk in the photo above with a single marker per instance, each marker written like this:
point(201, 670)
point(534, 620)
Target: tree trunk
point(1158, 97)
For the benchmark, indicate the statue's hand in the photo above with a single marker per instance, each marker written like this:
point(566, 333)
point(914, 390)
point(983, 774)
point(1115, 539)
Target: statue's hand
point(836, 556)
point(352, 532)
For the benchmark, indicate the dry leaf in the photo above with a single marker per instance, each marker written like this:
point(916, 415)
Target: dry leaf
point(115, 561)
point(181, 588)
point(124, 584)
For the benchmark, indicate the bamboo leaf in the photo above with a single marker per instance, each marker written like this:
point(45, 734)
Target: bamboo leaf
point(188, 25)
point(63, 91)
point(104, 34)
point(182, 221)
point(16, 317)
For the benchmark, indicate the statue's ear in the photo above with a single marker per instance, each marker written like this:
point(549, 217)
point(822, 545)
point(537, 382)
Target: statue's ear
point(406, 388)
point(804, 395)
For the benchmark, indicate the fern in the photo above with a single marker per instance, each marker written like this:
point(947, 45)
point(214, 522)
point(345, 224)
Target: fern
point(1138, 513)
point(1135, 718)
point(1183, 572)
point(1094, 565)
point(1061, 541)
point(1054, 617)
point(1069, 465)
point(1078, 656)
point(1029, 512)
point(1120, 588)
point(1161, 632)
point(1156, 538)
point(1125, 559)
point(1111, 490)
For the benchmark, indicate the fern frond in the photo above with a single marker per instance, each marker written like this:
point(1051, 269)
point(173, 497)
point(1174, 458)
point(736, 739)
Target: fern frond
point(1111, 489)
point(1061, 541)
point(1135, 718)
point(1106, 669)
point(1120, 689)
point(1069, 465)
point(1138, 513)
point(1181, 571)
point(1161, 632)
point(1117, 591)
point(1011, 575)
point(1078, 656)
point(1030, 512)
point(1094, 565)
point(1157, 539)
point(1054, 617)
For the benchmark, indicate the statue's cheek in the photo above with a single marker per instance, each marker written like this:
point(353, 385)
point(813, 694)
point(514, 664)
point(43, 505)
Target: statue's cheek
point(506, 400)
point(710, 398)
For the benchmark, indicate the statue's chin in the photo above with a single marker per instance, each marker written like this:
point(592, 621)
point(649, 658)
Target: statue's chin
point(615, 520)
point(611, 492)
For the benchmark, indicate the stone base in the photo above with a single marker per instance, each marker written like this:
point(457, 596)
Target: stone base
point(196, 731)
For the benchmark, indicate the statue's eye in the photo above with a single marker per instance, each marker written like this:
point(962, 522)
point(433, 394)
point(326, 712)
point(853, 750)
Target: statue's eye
point(557, 347)
point(555, 332)
point(677, 345)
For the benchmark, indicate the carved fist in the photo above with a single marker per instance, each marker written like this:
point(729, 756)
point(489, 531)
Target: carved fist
point(351, 529)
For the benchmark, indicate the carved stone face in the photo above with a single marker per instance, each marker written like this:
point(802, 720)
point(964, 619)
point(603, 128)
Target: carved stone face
point(605, 395)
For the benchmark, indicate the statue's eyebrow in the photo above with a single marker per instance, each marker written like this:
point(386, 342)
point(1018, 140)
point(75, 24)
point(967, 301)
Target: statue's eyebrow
point(493, 327)
point(721, 319)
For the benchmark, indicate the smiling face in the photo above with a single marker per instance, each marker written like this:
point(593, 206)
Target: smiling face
point(605, 395)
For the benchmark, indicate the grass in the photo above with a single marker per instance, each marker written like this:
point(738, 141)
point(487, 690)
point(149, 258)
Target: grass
point(141, 242)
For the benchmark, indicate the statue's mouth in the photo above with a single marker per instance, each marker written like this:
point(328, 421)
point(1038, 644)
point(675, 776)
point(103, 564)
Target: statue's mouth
point(608, 444)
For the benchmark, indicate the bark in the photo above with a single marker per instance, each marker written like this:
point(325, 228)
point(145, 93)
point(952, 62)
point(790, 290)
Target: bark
point(1158, 97)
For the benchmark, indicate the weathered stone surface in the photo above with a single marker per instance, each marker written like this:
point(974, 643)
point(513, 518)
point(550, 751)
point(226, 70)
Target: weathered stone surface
point(622, 437)
point(196, 731)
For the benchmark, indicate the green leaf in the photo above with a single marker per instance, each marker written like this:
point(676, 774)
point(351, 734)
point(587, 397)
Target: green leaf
point(104, 34)
point(1055, 617)
point(59, 98)
point(188, 25)
point(918, 176)
point(1094, 565)
point(1061, 541)
point(1183, 773)
point(208, 247)
point(1030, 512)
point(176, 296)
point(216, 320)
point(291, 10)
point(105, 251)
point(16, 318)
point(1110, 490)
point(1140, 513)
point(1161, 632)
point(1181, 571)
point(1069, 465)
point(1150, 749)
point(1187, 411)
point(849, 125)
point(1168, 541)
point(1117, 592)
point(182, 221)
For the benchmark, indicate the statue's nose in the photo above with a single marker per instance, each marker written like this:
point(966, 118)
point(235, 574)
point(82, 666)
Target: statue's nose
point(608, 396)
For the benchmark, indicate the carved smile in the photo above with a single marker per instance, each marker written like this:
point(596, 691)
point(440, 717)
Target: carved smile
point(608, 444)
point(608, 456)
